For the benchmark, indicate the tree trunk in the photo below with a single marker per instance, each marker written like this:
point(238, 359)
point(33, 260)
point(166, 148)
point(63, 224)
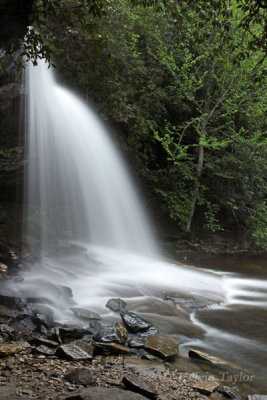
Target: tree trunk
point(196, 188)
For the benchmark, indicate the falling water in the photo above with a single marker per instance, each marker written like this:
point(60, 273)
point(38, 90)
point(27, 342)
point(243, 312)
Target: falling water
point(76, 176)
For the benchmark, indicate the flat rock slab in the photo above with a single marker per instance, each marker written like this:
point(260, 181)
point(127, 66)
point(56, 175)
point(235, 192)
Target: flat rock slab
point(101, 393)
point(78, 350)
point(10, 349)
point(162, 346)
point(201, 356)
point(80, 376)
point(257, 397)
point(206, 387)
point(138, 385)
point(133, 322)
point(116, 305)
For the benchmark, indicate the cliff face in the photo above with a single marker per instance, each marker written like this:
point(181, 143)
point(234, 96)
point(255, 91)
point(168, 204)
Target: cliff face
point(14, 19)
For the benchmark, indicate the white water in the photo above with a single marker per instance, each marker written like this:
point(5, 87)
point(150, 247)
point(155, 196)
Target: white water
point(79, 194)
point(75, 174)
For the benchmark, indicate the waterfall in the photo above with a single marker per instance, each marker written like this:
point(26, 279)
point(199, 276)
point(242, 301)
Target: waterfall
point(79, 194)
point(78, 187)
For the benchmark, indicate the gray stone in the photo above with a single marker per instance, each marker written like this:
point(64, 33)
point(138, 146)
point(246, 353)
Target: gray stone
point(42, 349)
point(80, 376)
point(134, 323)
point(84, 313)
point(102, 393)
point(116, 333)
point(78, 350)
point(138, 385)
point(257, 397)
point(162, 346)
point(116, 305)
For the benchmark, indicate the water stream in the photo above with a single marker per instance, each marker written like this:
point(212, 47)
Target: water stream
point(94, 238)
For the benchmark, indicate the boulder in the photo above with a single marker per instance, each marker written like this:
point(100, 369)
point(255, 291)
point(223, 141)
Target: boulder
point(102, 393)
point(133, 322)
point(116, 305)
point(201, 356)
point(116, 333)
point(206, 387)
point(84, 313)
point(138, 385)
point(10, 349)
point(162, 346)
point(78, 350)
point(114, 348)
point(80, 376)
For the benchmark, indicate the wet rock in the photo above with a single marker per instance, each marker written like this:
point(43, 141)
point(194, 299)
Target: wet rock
point(151, 331)
point(206, 387)
point(94, 326)
point(80, 376)
point(102, 393)
point(9, 349)
point(138, 385)
point(73, 331)
point(137, 342)
point(230, 392)
point(114, 348)
point(85, 313)
point(6, 331)
point(78, 350)
point(151, 357)
point(133, 322)
point(257, 397)
point(201, 356)
point(42, 315)
point(46, 351)
point(162, 346)
point(6, 313)
point(9, 298)
point(24, 324)
point(116, 333)
point(116, 305)
point(37, 341)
